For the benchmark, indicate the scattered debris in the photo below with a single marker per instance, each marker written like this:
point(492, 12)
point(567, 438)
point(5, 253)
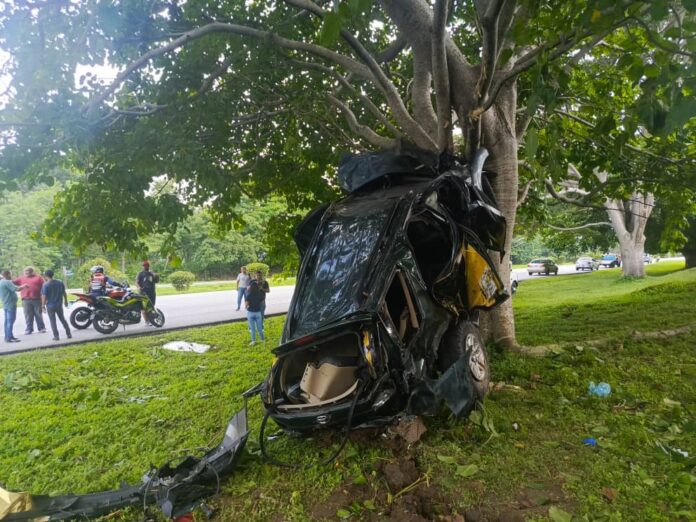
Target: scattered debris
point(177, 490)
point(589, 441)
point(410, 428)
point(602, 389)
point(186, 346)
point(609, 494)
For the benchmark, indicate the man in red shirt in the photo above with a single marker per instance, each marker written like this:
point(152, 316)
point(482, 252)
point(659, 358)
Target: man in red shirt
point(31, 299)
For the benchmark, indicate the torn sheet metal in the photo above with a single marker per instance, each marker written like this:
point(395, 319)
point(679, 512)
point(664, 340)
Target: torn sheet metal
point(175, 489)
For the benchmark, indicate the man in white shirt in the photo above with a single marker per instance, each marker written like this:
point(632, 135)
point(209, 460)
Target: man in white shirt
point(243, 280)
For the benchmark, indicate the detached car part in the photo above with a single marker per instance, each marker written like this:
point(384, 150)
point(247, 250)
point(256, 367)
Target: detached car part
point(176, 489)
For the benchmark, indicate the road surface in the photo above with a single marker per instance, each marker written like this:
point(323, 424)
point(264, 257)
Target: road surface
point(179, 310)
point(189, 310)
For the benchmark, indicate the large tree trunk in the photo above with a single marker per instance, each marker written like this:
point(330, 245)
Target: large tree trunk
point(500, 140)
point(690, 256)
point(628, 218)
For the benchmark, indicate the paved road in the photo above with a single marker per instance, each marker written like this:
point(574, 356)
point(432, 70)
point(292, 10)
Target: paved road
point(195, 310)
point(179, 310)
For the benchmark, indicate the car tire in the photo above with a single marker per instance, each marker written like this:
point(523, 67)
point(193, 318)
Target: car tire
point(464, 338)
point(81, 318)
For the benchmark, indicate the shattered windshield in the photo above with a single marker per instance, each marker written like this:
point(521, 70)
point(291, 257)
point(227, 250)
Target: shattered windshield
point(340, 263)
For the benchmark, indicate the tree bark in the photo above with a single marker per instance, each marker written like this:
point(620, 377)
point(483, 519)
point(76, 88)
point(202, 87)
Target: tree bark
point(499, 138)
point(690, 256)
point(628, 219)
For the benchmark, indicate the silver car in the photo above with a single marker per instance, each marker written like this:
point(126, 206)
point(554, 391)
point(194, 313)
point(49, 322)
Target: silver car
point(542, 266)
point(586, 263)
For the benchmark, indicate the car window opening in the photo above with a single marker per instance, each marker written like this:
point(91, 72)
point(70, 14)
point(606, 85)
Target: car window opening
point(400, 307)
point(432, 244)
point(322, 374)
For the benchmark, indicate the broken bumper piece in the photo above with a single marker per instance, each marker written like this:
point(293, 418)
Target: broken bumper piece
point(175, 489)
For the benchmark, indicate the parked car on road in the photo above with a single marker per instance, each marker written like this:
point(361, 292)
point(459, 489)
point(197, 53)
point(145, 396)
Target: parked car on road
point(586, 263)
point(610, 261)
point(514, 282)
point(647, 259)
point(542, 266)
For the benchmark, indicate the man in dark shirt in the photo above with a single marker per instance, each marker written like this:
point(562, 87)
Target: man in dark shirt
point(255, 300)
point(264, 287)
point(146, 284)
point(53, 296)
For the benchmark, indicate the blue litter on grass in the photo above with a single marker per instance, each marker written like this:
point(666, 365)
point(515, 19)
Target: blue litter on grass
point(599, 390)
point(589, 441)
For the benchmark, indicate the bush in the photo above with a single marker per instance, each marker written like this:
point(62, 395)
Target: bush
point(253, 267)
point(181, 280)
point(83, 275)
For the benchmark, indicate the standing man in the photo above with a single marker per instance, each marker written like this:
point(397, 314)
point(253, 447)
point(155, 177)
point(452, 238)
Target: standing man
point(254, 300)
point(53, 296)
point(243, 280)
point(31, 299)
point(263, 286)
point(8, 295)
point(146, 281)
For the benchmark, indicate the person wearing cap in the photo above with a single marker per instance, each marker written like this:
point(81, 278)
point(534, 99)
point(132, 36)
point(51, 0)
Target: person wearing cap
point(146, 282)
point(53, 297)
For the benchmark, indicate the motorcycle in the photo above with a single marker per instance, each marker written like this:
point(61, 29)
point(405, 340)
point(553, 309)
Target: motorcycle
point(81, 317)
point(127, 310)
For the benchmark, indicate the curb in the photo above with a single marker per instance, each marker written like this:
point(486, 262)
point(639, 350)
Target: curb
point(134, 334)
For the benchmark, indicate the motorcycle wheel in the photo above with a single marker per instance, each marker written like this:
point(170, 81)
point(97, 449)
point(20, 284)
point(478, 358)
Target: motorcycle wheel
point(104, 325)
point(156, 318)
point(81, 318)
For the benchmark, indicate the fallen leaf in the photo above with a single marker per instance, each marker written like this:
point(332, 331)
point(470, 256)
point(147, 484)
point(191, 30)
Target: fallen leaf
point(446, 459)
point(558, 515)
point(468, 470)
point(609, 494)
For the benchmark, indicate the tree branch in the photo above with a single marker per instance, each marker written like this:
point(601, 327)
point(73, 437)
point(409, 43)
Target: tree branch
point(580, 227)
point(441, 75)
point(392, 51)
point(347, 85)
point(219, 27)
point(489, 51)
point(361, 130)
point(421, 91)
point(401, 114)
point(661, 45)
point(522, 196)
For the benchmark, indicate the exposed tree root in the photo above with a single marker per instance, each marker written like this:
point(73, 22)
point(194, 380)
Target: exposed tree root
point(548, 349)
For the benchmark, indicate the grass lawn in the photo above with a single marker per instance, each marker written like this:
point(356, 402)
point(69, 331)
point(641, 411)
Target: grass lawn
point(84, 418)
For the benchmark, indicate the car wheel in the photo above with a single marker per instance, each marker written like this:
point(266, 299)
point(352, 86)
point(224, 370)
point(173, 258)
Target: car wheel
point(546, 273)
point(464, 339)
point(104, 324)
point(81, 318)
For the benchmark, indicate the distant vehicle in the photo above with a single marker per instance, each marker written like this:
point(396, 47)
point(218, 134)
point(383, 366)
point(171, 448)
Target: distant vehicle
point(647, 259)
point(586, 263)
point(542, 266)
point(610, 261)
point(514, 282)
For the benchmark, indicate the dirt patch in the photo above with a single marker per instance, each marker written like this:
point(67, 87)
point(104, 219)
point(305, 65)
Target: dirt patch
point(399, 492)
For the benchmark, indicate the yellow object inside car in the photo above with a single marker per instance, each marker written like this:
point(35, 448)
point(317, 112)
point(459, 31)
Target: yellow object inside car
point(483, 286)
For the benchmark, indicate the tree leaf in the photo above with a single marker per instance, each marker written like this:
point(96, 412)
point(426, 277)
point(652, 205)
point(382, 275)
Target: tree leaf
point(446, 459)
point(330, 29)
point(558, 515)
point(531, 142)
point(468, 470)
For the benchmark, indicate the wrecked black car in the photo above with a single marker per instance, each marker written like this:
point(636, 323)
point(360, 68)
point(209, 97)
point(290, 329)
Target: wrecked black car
point(384, 318)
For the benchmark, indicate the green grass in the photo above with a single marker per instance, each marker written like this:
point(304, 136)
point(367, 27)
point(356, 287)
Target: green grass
point(86, 417)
